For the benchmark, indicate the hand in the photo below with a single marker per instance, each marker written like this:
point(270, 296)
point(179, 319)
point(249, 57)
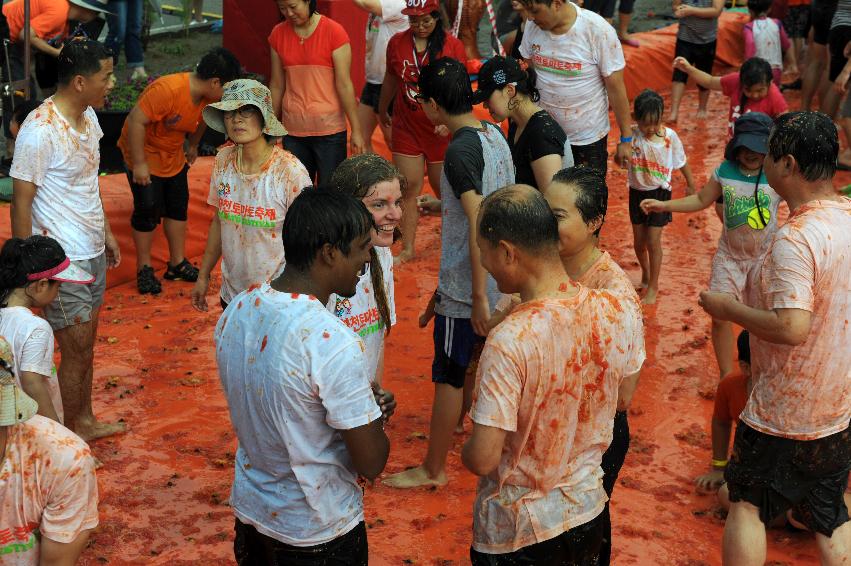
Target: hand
point(840, 85)
point(356, 143)
point(847, 51)
point(710, 481)
point(480, 317)
point(649, 205)
point(385, 119)
point(386, 401)
point(715, 304)
point(683, 11)
point(113, 252)
point(191, 154)
point(441, 130)
point(427, 315)
point(623, 153)
point(682, 64)
point(199, 293)
point(141, 174)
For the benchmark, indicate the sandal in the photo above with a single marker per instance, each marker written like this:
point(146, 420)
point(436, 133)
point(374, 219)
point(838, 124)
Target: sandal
point(183, 271)
point(147, 282)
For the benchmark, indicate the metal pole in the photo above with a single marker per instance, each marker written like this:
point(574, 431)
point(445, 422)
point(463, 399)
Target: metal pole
point(27, 50)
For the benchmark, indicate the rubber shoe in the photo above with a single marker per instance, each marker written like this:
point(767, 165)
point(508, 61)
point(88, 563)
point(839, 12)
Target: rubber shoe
point(146, 281)
point(183, 271)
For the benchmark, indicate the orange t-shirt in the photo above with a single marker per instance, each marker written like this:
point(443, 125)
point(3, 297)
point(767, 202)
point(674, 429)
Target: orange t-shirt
point(311, 106)
point(731, 398)
point(168, 105)
point(48, 18)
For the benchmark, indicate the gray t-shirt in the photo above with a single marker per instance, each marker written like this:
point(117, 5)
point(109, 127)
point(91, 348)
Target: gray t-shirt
point(476, 160)
point(842, 16)
point(698, 30)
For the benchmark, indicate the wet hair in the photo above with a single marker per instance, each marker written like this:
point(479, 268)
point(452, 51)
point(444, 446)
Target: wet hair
point(81, 56)
point(445, 81)
point(519, 214)
point(592, 194)
point(648, 104)
point(19, 257)
point(546, 3)
point(356, 176)
point(759, 7)
point(754, 72)
point(529, 87)
point(23, 109)
point(743, 343)
point(219, 63)
point(437, 38)
point(318, 217)
point(809, 137)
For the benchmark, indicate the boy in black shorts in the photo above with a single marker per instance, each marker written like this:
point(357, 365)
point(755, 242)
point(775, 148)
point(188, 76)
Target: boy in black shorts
point(696, 39)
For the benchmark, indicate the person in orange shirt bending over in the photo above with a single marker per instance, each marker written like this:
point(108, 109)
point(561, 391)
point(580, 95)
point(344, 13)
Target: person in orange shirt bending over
point(152, 143)
point(546, 394)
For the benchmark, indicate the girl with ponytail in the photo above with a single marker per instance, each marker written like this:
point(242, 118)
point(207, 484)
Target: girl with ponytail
point(371, 312)
point(31, 271)
point(539, 146)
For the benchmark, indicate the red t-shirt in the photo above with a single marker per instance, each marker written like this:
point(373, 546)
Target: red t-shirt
point(405, 63)
point(311, 106)
point(731, 398)
point(774, 104)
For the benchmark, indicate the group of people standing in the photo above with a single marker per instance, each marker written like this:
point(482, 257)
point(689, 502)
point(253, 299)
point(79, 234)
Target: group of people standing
point(537, 332)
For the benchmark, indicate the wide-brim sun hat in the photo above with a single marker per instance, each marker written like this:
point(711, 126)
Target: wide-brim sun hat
point(239, 93)
point(93, 5)
point(751, 130)
point(66, 272)
point(15, 405)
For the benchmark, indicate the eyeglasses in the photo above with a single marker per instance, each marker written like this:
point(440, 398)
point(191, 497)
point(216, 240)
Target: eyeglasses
point(244, 112)
point(421, 22)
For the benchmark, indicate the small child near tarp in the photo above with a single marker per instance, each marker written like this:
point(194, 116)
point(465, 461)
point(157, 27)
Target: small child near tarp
point(766, 38)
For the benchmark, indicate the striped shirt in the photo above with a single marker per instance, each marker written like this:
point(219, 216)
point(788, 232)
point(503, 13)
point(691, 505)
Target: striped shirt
point(698, 30)
point(842, 16)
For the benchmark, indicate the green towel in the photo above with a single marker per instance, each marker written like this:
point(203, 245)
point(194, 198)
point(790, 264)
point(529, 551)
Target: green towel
point(6, 189)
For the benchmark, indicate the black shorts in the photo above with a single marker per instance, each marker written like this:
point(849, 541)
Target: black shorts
point(580, 546)
point(371, 96)
point(252, 548)
point(595, 155)
point(605, 8)
point(838, 39)
point(797, 21)
point(165, 197)
point(776, 474)
point(456, 350)
point(612, 463)
point(701, 55)
point(655, 219)
point(821, 16)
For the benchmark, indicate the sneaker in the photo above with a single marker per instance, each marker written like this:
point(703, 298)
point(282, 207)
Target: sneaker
point(183, 271)
point(147, 282)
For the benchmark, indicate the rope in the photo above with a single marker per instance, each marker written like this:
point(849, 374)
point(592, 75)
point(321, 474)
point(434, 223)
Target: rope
point(456, 25)
point(492, 18)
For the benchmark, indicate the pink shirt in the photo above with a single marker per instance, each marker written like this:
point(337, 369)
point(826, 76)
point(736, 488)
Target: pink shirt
point(803, 392)
point(549, 376)
point(773, 104)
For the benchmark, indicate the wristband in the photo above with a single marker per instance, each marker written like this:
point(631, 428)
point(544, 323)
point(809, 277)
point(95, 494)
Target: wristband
point(626, 140)
point(719, 463)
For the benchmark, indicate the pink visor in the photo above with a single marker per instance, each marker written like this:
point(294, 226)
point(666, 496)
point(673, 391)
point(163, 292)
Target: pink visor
point(65, 272)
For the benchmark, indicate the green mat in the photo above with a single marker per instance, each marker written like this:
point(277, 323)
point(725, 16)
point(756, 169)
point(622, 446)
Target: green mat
point(6, 189)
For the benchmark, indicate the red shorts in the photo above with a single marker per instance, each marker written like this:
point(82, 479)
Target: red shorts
point(412, 138)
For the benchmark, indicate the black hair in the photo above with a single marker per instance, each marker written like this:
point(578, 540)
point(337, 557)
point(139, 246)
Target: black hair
point(809, 137)
point(445, 81)
point(19, 257)
point(528, 3)
point(23, 109)
point(81, 56)
point(648, 104)
point(219, 63)
point(529, 87)
point(592, 194)
point(759, 7)
point(356, 176)
point(743, 343)
point(519, 214)
point(437, 38)
point(318, 217)
point(755, 71)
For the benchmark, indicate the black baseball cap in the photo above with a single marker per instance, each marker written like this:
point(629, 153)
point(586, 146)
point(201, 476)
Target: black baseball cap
point(495, 74)
point(751, 131)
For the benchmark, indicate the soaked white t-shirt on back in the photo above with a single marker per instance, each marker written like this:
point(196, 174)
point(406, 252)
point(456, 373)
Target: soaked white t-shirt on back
point(63, 165)
point(251, 211)
point(379, 30)
point(571, 68)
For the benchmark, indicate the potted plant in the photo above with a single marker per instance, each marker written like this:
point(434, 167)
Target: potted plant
point(119, 103)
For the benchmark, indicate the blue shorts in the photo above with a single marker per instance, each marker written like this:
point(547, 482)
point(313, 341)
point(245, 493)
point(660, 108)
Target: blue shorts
point(456, 347)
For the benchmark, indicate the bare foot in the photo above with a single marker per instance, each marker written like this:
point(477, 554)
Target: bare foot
point(701, 113)
point(414, 477)
point(427, 204)
point(404, 255)
point(672, 117)
point(94, 430)
point(649, 296)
